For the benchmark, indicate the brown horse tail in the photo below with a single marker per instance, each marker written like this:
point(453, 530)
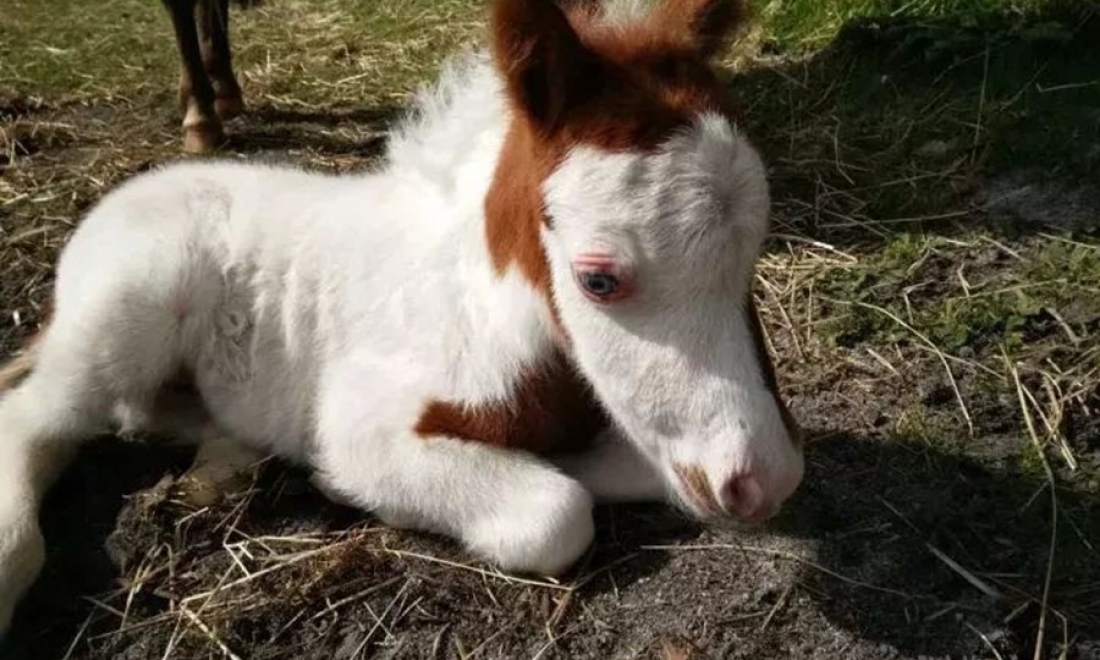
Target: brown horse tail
point(13, 373)
point(20, 366)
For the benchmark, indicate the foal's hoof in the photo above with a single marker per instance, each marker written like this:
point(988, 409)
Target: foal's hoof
point(207, 484)
point(201, 493)
point(229, 106)
point(203, 137)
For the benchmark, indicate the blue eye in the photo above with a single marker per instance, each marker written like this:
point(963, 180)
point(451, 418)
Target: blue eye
point(600, 285)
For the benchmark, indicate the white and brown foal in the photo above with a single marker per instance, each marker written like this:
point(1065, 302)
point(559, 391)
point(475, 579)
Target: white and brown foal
point(540, 299)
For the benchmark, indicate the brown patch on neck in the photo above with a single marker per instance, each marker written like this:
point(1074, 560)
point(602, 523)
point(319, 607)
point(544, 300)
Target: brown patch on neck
point(551, 410)
point(770, 380)
point(514, 208)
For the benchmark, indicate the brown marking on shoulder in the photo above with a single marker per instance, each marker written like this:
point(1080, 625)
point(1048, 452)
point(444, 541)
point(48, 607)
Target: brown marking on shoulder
point(15, 370)
point(551, 410)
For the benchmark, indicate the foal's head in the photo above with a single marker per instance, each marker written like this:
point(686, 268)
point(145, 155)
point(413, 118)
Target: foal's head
point(626, 194)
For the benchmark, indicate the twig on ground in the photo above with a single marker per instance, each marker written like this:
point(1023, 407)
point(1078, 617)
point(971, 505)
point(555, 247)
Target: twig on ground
point(474, 569)
point(779, 603)
point(1038, 445)
point(79, 635)
point(985, 638)
point(209, 633)
point(359, 595)
point(931, 345)
point(978, 583)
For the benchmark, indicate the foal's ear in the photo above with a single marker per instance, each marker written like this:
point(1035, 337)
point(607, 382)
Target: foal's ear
point(700, 25)
point(545, 66)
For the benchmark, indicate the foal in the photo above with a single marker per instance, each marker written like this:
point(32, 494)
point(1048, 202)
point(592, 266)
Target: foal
point(208, 90)
point(540, 299)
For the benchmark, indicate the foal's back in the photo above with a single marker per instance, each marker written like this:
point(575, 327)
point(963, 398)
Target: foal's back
point(214, 269)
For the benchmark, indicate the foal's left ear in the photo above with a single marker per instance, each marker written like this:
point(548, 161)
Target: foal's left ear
point(545, 66)
point(702, 26)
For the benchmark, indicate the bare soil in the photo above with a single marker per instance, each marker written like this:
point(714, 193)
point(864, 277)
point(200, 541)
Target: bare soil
point(850, 570)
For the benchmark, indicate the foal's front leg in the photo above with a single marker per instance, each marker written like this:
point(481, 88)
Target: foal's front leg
point(505, 506)
point(613, 470)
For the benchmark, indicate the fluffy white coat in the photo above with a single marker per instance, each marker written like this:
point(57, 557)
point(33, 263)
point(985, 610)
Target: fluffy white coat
point(318, 314)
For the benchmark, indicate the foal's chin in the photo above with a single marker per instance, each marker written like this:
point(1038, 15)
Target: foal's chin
point(718, 518)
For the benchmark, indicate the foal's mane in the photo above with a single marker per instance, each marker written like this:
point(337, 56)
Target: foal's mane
point(448, 116)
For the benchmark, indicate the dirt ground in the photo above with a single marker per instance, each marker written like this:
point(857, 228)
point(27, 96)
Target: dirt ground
point(924, 528)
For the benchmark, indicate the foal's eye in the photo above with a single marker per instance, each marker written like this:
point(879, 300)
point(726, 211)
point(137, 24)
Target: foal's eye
point(602, 279)
point(600, 284)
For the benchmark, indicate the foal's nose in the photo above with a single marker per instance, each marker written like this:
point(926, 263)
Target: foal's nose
point(755, 495)
point(742, 496)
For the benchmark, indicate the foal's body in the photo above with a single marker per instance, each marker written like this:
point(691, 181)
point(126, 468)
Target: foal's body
point(282, 294)
point(430, 337)
point(290, 299)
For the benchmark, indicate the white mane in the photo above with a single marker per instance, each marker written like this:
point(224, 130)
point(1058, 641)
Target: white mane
point(449, 118)
point(449, 115)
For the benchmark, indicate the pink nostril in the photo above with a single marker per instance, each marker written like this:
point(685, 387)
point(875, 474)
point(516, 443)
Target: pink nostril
point(743, 497)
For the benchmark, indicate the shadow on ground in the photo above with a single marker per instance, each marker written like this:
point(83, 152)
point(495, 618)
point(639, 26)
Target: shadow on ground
point(357, 133)
point(867, 527)
point(906, 123)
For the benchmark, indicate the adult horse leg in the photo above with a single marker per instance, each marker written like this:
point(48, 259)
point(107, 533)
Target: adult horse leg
point(613, 470)
point(212, 18)
point(202, 129)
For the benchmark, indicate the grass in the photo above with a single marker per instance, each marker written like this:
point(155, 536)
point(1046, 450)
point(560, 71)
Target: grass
point(807, 26)
point(935, 264)
point(314, 49)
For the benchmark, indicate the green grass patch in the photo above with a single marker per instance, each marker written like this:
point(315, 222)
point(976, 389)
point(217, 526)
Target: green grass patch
point(899, 120)
point(53, 48)
point(308, 51)
point(966, 297)
point(804, 25)
point(917, 427)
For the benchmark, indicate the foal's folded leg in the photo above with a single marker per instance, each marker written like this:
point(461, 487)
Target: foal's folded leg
point(506, 506)
point(222, 464)
point(613, 470)
point(42, 423)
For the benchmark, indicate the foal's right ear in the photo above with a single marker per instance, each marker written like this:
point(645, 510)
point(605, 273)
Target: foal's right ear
point(546, 67)
point(702, 25)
